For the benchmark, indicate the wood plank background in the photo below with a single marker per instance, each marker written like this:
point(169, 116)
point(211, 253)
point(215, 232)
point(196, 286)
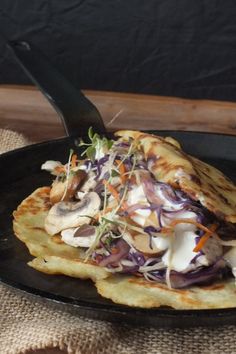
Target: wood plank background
point(26, 110)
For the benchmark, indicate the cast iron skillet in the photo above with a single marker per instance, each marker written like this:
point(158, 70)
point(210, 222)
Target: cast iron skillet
point(21, 174)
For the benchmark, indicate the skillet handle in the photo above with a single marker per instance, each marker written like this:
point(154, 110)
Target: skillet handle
point(75, 110)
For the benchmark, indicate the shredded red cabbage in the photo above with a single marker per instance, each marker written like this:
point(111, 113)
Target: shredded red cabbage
point(136, 257)
point(200, 276)
point(123, 250)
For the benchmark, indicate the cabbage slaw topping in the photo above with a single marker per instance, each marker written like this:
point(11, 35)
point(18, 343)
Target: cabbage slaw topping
point(139, 226)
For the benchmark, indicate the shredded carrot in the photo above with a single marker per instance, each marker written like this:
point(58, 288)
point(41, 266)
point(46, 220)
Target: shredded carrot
point(114, 193)
point(73, 160)
point(103, 212)
point(166, 230)
point(124, 206)
point(122, 171)
point(190, 221)
point(106, 210)
point(204, 238)
point(111, 189)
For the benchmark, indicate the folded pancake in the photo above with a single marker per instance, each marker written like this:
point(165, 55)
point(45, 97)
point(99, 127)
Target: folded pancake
point(149, 224)
point(52, 255)
point(137, 292)
point(55, 257)
point(202, 182)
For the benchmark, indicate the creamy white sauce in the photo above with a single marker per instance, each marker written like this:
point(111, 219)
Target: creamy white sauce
point(166, 203)
point(68, 237)
point(179, 248)
point(181, 253)
point(141, 216)
point(137, 196)
point(161, 242)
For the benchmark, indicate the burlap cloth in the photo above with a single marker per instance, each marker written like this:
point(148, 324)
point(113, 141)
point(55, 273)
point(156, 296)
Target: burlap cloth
point(29, 322)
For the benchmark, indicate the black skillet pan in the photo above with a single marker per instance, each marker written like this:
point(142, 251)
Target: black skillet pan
point(21, 174)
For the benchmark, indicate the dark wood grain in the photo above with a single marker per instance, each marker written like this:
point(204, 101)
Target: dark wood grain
point(24, 109)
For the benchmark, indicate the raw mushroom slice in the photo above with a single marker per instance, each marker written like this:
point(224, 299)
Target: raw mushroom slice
point(66, 190)
point(89, 183)
point(51, 166)
point(212, 251)
point(82, 236)
point(141, 242)
point(64, 215)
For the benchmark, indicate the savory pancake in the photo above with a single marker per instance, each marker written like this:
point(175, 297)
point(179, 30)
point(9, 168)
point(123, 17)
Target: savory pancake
point(170, 164)
point(149, 224)
point(53, 255)
point(137, 292)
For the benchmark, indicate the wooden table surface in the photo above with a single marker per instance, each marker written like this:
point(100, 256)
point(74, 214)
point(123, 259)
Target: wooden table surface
point(24, 109)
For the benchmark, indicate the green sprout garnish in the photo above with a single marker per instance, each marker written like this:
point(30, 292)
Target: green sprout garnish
point(97, 143)
point(114, 173)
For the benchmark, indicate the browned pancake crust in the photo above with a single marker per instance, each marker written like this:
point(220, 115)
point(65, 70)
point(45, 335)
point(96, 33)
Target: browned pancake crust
point(52, 255)
point(170, 164)
point(138, 292)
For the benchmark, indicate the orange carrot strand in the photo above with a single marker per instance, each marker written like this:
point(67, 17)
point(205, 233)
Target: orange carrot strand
point(111, 189)
point(73, 160)
point(204, 238)
point(122, 171)
point(190, 221)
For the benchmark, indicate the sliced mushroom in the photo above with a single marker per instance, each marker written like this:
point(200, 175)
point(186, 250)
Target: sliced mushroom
point(66, 190)
point(85, 230)
point(212, 250)
point(82, 236)
point(64, 215)
point(89, 183)
point(51, 166)
point(142, 243)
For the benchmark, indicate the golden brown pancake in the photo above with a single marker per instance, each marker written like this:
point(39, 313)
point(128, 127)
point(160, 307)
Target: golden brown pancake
point(138, 292)
point(53, 256)
point(170, 164)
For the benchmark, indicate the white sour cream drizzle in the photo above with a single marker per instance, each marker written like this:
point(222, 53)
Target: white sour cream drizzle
point(183, 243)
point(179, 250)
point(137, 196)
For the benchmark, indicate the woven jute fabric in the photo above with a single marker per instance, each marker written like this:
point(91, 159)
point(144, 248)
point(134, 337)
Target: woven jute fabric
point(28, 322)
point(10, 140)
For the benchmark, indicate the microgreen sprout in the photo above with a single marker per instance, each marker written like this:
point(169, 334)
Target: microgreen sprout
point(67, 173)
point(97, 143)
